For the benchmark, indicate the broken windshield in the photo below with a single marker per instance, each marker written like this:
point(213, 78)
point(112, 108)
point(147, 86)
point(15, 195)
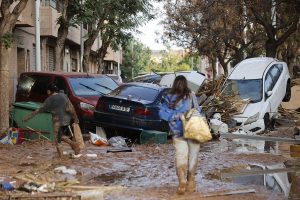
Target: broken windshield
point(244, 89)
point(90, 86)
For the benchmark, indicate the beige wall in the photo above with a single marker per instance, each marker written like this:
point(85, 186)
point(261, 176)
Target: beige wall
point(27, 16)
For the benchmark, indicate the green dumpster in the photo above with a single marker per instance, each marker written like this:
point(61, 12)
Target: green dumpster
point(152, 136)
point(42, 122)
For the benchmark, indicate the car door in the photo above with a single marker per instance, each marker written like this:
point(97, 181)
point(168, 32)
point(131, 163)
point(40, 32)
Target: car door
point(272, 84)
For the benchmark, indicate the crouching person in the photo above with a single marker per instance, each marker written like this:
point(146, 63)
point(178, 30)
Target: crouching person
point(63, 114)
point(175, 104)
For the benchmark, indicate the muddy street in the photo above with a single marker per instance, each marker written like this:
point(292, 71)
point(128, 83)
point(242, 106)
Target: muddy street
point(148, 171)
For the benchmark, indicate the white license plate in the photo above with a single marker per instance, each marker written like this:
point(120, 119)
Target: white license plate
point(120, 108)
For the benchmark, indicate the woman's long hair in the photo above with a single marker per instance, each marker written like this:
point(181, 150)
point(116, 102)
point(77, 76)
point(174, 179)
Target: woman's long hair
point(180, 88)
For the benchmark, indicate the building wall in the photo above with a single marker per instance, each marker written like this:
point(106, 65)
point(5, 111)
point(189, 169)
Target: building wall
point(23, 50)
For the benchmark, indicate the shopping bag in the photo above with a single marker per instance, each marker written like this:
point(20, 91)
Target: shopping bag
point(77, 135)
point(195, 126)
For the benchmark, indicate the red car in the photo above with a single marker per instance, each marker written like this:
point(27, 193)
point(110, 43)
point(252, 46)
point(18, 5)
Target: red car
point(83, 90)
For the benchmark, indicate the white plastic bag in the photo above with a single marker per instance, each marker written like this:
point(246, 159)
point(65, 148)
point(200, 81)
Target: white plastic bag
point(117, 142)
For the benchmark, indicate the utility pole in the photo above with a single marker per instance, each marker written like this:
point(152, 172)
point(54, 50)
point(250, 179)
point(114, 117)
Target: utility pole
point(81, 45)
point(131, 59)
point(37, 37)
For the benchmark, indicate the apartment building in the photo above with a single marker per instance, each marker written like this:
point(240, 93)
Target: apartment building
point(23, 52)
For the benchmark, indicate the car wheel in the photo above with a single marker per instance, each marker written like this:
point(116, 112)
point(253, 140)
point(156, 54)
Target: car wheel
point(288, 92)
point(267, 122)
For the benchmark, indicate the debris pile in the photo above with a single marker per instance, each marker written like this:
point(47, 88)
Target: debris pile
point(212, 101)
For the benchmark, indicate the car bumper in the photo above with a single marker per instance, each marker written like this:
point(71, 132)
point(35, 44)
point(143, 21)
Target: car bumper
point(126, 122)
point(255, 127)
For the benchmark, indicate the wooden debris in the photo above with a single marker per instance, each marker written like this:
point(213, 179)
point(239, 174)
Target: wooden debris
point(38, 132)
point(258, 172)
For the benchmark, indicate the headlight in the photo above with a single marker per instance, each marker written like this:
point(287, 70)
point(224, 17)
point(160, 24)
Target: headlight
point(252, 119)
point(86, 106)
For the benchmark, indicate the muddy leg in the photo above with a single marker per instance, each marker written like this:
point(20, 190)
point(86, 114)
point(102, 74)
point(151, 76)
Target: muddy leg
point(181, 160)
point(57, 140)
point(74, 145)
point(194, 148)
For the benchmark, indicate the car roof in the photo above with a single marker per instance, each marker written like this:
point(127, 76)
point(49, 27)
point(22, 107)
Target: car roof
point(65, 74)
point(251, 68)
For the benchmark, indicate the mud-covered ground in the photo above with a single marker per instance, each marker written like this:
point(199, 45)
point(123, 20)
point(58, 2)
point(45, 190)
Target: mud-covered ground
point(148, 172)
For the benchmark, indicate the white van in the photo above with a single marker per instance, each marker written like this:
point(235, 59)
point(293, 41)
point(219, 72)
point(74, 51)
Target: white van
point(263, 83)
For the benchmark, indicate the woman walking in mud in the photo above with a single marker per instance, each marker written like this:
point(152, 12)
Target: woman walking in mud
point(175, 104)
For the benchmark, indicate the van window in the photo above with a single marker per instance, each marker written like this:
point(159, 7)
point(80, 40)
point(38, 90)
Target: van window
point(40, 84)
point(61, 84)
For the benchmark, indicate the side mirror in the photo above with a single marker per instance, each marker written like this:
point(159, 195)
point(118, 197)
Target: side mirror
point(269, 93)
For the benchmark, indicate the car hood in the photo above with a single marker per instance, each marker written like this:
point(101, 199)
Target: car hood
point(249, 110)
point(90, 99)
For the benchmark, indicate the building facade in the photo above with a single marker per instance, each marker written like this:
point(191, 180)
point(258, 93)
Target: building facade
point(23, 50)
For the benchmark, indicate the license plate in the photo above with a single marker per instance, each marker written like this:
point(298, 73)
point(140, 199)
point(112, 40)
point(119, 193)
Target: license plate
point(120, 108)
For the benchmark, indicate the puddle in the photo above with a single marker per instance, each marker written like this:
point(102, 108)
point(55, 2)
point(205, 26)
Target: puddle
point(252, 146)
point(285, 183)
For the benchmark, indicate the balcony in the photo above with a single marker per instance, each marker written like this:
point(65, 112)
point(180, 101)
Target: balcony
point(27, 17)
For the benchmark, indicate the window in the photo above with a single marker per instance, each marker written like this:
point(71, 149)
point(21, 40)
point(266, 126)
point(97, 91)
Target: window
point(268, 83)
point(74, 65)
point(272, 77)
point(51, 59)
point(91, 86)
point(244, 89)
point(275, 73)
point(136, 92)
point(51, 3)
point(61, 84)
point(40, 84)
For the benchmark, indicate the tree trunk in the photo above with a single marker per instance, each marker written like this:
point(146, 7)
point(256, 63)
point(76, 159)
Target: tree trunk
point(7, 22)
point(214, 71)
point(101, 55)
point(271, 48)
point(4, 87)
point(88, 47)
point(62, 34)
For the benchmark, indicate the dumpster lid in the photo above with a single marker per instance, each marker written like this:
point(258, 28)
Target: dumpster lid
point(29, 104)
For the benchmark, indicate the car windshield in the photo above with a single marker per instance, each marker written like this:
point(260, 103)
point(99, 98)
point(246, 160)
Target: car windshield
point(244, 89)
point(136, 92)
point(90, 86)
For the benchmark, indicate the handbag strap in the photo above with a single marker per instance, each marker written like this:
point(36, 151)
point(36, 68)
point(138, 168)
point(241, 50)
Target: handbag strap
point(192, 101)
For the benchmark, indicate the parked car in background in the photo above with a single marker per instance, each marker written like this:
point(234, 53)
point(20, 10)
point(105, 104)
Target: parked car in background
point(116, 78)
point(262, 83)
point(132, 106)
point(195, 79)
point(147, 78)
point(83, 90)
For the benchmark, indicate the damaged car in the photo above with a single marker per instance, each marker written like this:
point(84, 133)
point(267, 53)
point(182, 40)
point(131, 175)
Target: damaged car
point(261, 84)
point(83, 90)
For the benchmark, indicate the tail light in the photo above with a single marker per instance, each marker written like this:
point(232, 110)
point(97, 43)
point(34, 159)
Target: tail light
point(101, 105)
point(141, 111)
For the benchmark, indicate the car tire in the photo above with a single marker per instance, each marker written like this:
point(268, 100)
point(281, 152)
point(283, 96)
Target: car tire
point(267, 122)
point(288, 92)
